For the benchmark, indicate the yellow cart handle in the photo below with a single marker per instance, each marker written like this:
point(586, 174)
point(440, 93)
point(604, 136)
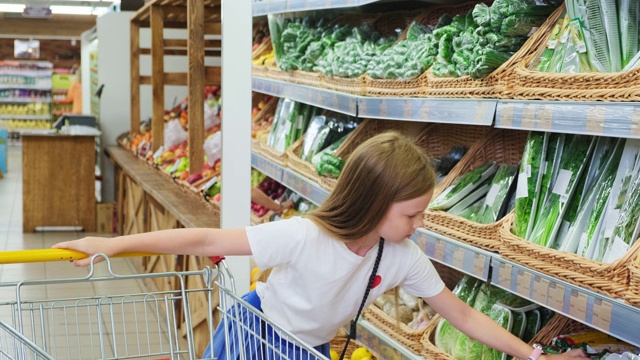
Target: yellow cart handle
point(43, 255)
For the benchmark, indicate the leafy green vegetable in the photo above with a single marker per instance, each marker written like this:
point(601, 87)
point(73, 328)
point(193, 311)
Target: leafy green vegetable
point(463, 186)
point(521, 25)
point(555, 148)
point(571, 165)
point(532, 325)
point(471, 213)
point(529, 182)
point(497, 193)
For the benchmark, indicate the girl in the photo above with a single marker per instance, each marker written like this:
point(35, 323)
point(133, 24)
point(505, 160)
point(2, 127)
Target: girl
point(354, 243)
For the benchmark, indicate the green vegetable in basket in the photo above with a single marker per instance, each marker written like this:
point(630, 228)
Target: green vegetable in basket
point(628, 225)
point(504, 318)
point(521, 25)
point(463, 185)
point(555, 147)
point(482, 15)
point(529, 182)
point(524, 7)
point(533, 325)
point(572, 164)
point(487, 62)
point(543, 62)
point(446, 335)
point(497, 194)
point(416, 31)
point(471, 213)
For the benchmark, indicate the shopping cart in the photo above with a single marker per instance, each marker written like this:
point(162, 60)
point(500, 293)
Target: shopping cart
point(135, 325)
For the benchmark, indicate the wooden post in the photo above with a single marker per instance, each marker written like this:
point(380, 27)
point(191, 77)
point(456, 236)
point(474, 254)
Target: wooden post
point(157, 77)
point(195, 51)
point(135, 77)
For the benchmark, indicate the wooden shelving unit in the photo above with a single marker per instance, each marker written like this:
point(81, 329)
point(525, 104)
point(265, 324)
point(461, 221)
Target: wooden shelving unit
point(200, 18)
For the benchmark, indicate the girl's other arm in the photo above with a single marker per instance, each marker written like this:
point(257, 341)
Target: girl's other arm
point(480, 327)
point(194, 241)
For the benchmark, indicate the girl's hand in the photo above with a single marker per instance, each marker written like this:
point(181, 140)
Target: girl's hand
point(89, 246)
point(572, 354)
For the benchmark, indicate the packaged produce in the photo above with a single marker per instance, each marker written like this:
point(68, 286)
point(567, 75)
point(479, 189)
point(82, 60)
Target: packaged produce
point(555, 147)
point(471, 212)
point(542, 63)
point(627, 228)
point(533, 325)
point(446, 335)
point(475, 197)
point(322, 132)
point(463, 185)
point(529, 182)
point(576, 58)
point(497, 193)
point(627, 171)
point(577, 149)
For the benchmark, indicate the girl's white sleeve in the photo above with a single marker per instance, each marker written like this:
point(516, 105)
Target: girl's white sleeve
point(422, 278)
point(276, 243)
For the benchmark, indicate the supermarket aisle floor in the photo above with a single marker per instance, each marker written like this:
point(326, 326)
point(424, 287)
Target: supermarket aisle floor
point(12, 238)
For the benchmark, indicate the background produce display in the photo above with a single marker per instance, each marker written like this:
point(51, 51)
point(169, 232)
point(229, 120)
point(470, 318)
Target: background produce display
point(473, 43)
point(593, 36)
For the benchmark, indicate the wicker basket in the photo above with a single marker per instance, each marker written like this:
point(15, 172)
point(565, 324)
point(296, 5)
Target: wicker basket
point(530, 84)
point(413, 87)
point(429, 349)
point(268, 110)
point(609, 279)
point(495, 84)
point(366, 130)
point(400, 331)
point(633, 294)
point(502, 146)
point(337, 345)
point(302, 167)
point(558, 325)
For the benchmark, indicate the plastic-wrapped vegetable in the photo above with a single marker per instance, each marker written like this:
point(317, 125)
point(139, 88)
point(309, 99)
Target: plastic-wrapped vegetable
point(463, 185)
point(532, 326)
point(555, 147)
point(487, 62)
point(529, 182)
point(416, 30)
point(504, 318)
point(471, 213)
point(627, 171)
point(471, 199)
point(576, 58)
point(571, 166)
point(283, 125)
point(581, 232)
point(523, 7)
point(627, 226)
point(446, 335)
point(497, 192)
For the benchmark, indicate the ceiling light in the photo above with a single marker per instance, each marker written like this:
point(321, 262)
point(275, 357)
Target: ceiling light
point(12, 8)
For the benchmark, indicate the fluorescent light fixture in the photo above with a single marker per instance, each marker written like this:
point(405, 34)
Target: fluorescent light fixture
point(11, 8)
point(72, 10)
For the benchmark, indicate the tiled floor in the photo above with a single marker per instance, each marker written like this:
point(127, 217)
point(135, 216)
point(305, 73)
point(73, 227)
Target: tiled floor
point(71, 327)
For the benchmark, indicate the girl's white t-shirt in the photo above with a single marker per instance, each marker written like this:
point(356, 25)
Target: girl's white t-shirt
point(317, 283)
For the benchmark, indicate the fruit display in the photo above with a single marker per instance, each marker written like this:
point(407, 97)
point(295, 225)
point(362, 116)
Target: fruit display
point(272, 189)
point(37, 108)
point(18, 124)
point(261, 125)
point(360, 353)
point(407, 309)
point(24, 94)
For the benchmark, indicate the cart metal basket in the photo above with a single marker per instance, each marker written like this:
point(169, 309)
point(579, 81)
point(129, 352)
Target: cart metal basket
point(126, 324)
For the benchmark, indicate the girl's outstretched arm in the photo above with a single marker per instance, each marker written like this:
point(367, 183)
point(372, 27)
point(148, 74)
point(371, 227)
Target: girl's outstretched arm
point(480, 327)
point(201, 242)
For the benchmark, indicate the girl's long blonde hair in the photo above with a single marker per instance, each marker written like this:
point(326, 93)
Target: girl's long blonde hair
point(385, 169)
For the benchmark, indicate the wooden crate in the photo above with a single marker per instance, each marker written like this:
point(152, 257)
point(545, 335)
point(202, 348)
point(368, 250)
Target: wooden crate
point(58, 181)
point(158, 15)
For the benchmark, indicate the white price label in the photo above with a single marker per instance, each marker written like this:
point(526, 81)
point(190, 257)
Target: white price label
point(492, 194)
point(540, 289)
point(522, 188)
point(504, 275)
point(209, 184)
point(407, 109)
point(158, 152)
point(506, 115)
point(524, 283)
point(383, 108)
point(562, 182)
point(479, 261)
point(556, 296)
point(458, 257)
point(578, 305)
point(439, 253)
point(602, 310)
point(527, 170)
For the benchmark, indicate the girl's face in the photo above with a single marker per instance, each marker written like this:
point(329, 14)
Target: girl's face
point(403, 218)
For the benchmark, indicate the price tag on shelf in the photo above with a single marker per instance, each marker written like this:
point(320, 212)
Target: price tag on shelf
point(523, 286)
point(424, 110)
point(479, 261)
point(407, 109)
point(528, 116)
point(481, 113)
point(556, 296)
point(635, 121)
point(362, 107)
point(545, 117)
point(504, 275)
point(578, 305)
point(383, 108)
point(595, 119)
point(602, 314)
point(506, 115)
point(458, 257)
point(336, 101)
point(439, 253)
point(540, 289)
